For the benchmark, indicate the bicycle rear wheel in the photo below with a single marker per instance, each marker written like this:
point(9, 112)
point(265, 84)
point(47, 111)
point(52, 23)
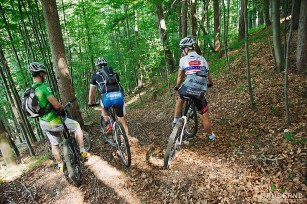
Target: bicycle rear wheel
point(122, 143)
point(72, 161)
point(173, 143)
point(191, 126)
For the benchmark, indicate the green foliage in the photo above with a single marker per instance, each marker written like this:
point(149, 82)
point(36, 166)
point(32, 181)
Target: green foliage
point(291, 137)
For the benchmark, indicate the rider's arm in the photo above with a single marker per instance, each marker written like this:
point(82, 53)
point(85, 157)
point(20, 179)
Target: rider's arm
point(91, 95)
point(55, 103)
point(180, 78)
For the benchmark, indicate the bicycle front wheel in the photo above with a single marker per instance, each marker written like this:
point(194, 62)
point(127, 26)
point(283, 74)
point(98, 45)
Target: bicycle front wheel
point(87, 142)
point(72, 161)
point(122, 143)
point(191, 126)
point(173, 143)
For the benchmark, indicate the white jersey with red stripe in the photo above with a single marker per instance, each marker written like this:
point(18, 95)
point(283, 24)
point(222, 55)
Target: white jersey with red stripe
point(193, 63)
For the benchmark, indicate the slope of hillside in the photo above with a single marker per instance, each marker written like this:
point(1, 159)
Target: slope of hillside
point(255, 159)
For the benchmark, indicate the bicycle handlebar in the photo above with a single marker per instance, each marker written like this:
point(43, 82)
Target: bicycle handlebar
point(69, 104)
point(94, 105)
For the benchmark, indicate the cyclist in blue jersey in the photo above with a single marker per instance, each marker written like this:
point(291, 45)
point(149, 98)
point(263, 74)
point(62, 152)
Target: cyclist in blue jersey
point(111, 91)
point(193, 86)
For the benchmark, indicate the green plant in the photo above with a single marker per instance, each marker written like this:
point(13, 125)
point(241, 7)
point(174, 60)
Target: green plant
point(289, 135)
point(273, 187)
point(283, 190)
point(275, 109)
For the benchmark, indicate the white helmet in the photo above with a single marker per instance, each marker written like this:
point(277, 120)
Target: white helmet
point(36, 67)
point(187, 42)
point(100, 61)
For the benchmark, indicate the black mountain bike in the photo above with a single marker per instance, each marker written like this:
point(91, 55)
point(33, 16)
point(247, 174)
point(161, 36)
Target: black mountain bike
point(185, 127)
point(71, 152)
point(119, 138)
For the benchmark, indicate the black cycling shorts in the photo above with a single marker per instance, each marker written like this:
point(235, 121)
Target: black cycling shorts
point(198, 98)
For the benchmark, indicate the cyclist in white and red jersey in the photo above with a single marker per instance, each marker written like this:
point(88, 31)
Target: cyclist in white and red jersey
point(198, 79)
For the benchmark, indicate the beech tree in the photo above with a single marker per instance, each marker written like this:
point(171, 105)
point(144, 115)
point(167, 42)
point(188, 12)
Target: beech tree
point(301, 51)
point(5, 147)
point(59, 57)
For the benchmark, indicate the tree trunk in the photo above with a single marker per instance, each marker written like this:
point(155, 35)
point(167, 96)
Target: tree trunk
point(248, 76)
point(287, 68)
point(301, 51)
point(5, 147)
point(217, 28)
point(184, 22)
point(276, 36)
point(266, 12)
point(136, 36)
point(241, 32)
point(193, 23)
point(58, 56)
point(226, 22)
point(296, 14)
point(162, 26)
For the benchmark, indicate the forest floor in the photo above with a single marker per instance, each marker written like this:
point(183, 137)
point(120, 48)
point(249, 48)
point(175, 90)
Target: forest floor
point(256, 158)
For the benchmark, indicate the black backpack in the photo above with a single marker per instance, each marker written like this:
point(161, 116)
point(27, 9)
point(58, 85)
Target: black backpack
point(30, 104)
point(109, 75)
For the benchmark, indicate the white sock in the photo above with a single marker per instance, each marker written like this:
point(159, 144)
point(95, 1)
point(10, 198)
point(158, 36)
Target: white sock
point(82, 149)
point(175, 119)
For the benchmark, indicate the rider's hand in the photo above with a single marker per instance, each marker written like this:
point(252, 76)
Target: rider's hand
point(176, 88)
point(61, 112)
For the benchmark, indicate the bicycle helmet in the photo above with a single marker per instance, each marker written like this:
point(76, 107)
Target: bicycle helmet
point(100, 61)
point(36, 67)
point(187, 42)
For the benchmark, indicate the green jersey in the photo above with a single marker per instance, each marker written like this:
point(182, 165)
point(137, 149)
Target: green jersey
point(42, 92)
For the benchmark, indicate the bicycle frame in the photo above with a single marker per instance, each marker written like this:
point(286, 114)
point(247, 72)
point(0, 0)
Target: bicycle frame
point(183, 128)
point(113, 120)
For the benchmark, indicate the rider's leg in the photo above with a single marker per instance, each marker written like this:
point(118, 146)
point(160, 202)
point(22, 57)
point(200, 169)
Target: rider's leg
point(202, 106)
point(75, 128)
point(56, 153)
point(124, 123)
point(206, 123)
point(178, 107)
point(105, 113)
point(54, 135)
point(121, 112)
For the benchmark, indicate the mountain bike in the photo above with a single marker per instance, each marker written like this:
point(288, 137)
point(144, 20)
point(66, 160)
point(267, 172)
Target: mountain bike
point(71, 152)
point(118, 139)
point(185, 127)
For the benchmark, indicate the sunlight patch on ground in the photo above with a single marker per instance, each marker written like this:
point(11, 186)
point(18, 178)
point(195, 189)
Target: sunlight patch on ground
point(135, 98)
point(112, 177)
point(71, 194)
point(10, 174)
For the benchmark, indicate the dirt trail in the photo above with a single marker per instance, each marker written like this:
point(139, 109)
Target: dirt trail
point(255, 158)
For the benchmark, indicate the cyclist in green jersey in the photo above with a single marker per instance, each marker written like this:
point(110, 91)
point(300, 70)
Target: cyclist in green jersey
point(50, 121)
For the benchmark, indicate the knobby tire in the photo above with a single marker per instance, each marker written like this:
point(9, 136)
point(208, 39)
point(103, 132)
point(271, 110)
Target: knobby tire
point(173, 143)
point(72, 164)
point(192, 119)
point(122, 143)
